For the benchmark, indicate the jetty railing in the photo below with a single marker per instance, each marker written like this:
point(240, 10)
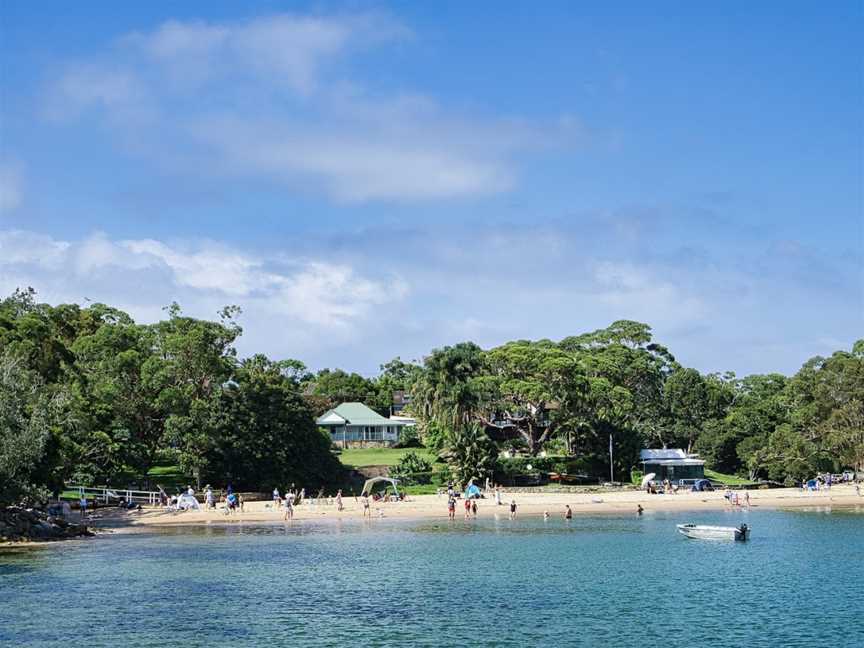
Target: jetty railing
point(108, 495)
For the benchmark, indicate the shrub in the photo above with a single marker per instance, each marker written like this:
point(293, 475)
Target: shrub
point(409, 437)
point(636, 476)
point(412, 469)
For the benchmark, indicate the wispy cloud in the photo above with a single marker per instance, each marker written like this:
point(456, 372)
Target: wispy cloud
point(142, 275)
point(380, 293)
point(269, 99)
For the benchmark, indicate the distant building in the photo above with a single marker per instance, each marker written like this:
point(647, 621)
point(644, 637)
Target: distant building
point(400, 400)
point(672, 464)
point(355, 424)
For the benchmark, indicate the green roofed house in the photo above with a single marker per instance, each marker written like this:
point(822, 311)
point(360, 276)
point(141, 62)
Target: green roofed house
point(355, 424)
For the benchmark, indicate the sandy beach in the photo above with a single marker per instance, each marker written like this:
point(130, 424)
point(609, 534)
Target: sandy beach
point(529, 504)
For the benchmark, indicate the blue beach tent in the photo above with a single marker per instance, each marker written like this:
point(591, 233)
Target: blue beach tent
point(472, 492)
point(702, 485)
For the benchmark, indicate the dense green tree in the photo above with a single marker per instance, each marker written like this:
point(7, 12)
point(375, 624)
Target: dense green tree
point(263, 434)
point(527, 387)
point(687, 399)
point(331, 387)
point(32, 415)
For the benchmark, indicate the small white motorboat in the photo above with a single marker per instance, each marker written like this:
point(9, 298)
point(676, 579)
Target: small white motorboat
point(707, 532)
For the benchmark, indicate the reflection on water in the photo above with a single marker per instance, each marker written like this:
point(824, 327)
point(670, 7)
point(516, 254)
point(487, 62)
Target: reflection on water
point(605, 581)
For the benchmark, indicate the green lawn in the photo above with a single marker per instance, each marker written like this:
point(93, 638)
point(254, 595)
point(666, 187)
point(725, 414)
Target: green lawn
point(731, 480)
point(358, 457)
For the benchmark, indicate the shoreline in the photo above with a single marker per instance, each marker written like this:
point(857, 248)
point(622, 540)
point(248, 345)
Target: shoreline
point(109, 521)
point(434, 507)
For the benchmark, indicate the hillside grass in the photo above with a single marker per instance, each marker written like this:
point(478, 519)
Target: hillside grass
point(359, 457)
point(729, 480)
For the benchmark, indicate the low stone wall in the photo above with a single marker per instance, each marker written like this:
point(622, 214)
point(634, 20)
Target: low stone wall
point(18, 523)
point(368, 472)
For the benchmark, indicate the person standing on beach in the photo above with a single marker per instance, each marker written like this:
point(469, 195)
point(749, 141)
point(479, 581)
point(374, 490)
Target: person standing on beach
point(513, 509)
point(467, 508)
point(240, 501)
point(568, 514)
point(289, 509)
point(302, 495)
point(747, 498)
point(639, 509)
point(474, 508)
point(82, 504)
point(277, 501)
point(339, 506)
point(451, 507)
point(498, 501)
point(366, 509)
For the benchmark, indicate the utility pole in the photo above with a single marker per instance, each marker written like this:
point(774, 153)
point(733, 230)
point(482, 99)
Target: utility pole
point(611, 465)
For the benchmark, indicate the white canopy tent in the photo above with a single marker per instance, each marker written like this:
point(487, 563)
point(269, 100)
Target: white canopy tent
point(367, 487)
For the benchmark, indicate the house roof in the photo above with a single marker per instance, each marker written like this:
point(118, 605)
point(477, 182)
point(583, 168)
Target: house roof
point(670, 453)
point(670, 457)
point(674, 462)
point(354, 414)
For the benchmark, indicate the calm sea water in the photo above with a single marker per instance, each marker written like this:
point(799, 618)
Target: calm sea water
point(597, 581)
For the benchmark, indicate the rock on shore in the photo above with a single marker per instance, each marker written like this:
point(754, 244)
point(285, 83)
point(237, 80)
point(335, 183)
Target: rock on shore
point(22, 524)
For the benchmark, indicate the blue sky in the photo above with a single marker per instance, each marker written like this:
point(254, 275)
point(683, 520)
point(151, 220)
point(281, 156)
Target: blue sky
point(369, 180)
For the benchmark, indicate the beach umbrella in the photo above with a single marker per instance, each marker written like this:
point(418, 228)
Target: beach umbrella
point(647, 478)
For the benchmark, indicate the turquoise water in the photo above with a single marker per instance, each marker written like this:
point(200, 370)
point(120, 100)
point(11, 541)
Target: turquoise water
point(596, 581)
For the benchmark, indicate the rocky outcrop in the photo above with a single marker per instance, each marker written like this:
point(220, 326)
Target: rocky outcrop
point(20, 524)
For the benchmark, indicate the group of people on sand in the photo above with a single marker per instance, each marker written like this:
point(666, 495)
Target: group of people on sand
point(666, 487)
point(292, 498)
point(734, 500)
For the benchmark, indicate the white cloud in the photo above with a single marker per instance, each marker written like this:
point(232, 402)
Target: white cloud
point(647, 296)
point(110, 88)
point(265, 99)
point(145, 274)
point(360, 307)
point(21, 248)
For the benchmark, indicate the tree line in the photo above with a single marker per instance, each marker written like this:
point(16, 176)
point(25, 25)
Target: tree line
point(89, 395)
point(569, 397)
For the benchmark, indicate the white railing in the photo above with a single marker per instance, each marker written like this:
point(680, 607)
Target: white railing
point(107, 495)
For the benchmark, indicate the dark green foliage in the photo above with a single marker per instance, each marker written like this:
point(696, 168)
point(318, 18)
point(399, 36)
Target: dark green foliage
point(98, 399)
point(470, 454)
point(30, 418)
point(331, 387)
point(263, 434)
point(409, 437)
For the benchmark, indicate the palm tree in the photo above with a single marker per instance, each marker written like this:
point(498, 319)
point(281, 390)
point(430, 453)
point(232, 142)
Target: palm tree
point(470, 453)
